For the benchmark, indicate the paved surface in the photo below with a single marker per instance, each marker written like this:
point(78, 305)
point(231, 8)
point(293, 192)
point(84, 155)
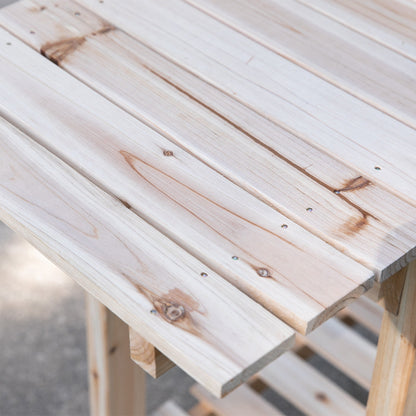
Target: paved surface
point(42, 341)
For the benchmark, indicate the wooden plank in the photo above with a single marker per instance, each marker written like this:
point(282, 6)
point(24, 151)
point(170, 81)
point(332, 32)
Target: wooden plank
point(245, 240)
point(149, 358)
point(390, 23)
point(308, 389)
point(276, 166)
point(410, 408)
point(117, 385)
point(395, 354)
point(169, 409)
point(148, 281)
point(200, 410)
point(358, 65)
point(280, 90)
point(241, 402)
point(391, 292)
point(367, 313)
point(345, 349)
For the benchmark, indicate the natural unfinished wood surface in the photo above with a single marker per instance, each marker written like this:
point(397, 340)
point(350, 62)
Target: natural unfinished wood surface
point(309, 390)
point(410, 408)
point(242, 238)
point(149, 358)
point(367, 313)
point(169, 409)
point(348, 60)
point(391, 292)
point(389, 22)
point(242, 402)
point(344, 348)
point(117, 386)
point(204, 324)
point(292, 97)
point(349, 211)
point(395, 354)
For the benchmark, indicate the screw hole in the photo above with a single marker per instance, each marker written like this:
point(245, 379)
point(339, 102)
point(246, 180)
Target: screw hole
point(203, 274)
point(8, 43)
point(235, 257)
point(309, 209)
point(153, 311)
point(377, 167)
point(167, 153)
point(77, 14)
point(284, 226)
point(32, 32)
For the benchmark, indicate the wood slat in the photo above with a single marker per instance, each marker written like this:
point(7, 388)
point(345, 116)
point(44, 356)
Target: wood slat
point(345, 349)
point(389, 22)
point(200, 410)
point(242, 402)
point(367, 313)
point(396, 354)
point(410, 408)
point(148, 281)
point(363, 220)
point(116, 385)
point(360, 66)
point(145, 355)
point(308, 389)
point(243, 239)
point(275, 87)
point(169, 409)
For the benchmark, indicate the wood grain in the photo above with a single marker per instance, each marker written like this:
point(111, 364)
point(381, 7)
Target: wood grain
point(367, 313)
point(149, 358)
point(261, 157)
point(390, 23)
point(313, 393)
point(350, 61)
point(117, 386)
point(287, 94)
point(245, 240)
point(242, 402)
point(345, 349)
point(395, 354)
point(148, 281)
point(410, 408)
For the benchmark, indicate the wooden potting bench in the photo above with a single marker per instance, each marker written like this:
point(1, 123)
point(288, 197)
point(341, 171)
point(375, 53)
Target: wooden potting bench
point(219, 175)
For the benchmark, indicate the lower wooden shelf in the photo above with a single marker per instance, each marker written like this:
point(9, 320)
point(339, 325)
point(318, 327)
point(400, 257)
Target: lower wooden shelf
point(295, 379)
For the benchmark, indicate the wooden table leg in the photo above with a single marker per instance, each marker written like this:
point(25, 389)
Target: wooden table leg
point(117, 384)
point(410, 409)
point(396, 353)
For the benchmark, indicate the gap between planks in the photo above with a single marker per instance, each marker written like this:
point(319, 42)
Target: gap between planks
point(353, 221)
point(147, 280)
point(217, 221)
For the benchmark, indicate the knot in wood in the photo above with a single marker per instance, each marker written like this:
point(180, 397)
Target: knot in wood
point(173, 311)
point(262, 272)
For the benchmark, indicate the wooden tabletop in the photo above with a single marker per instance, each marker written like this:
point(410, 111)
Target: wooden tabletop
point(220, 174)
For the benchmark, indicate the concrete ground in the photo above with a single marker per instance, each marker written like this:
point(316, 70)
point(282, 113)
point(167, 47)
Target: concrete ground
point(42, 342)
